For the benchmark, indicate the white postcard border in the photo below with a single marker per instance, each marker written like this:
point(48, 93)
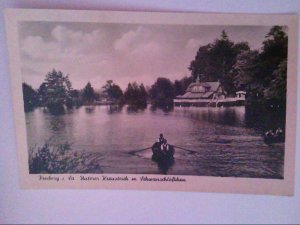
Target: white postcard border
point(161, 182)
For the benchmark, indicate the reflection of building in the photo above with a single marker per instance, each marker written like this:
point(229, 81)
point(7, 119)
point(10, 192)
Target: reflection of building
point(104, 101)
point(208, 94)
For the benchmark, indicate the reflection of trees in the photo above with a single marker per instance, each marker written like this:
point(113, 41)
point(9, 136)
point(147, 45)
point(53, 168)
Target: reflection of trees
point(90, 109)
point(166, 109)
point(261, 119)
point(57, 123)
point(227, 116)
point(133, 109)
point(112, 109)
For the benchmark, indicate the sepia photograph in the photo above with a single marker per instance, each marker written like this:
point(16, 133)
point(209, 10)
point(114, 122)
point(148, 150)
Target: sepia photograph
point(140, 97)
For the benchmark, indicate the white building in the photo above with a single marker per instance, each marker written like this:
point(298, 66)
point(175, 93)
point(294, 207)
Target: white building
point(208, 94)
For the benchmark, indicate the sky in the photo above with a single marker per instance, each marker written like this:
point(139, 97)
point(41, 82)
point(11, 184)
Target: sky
point(97, 52)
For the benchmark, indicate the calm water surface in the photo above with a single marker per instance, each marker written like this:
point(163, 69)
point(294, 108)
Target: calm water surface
point(218, 141)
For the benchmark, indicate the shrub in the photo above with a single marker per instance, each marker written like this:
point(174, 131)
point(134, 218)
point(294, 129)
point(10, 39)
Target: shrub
point(62, 159)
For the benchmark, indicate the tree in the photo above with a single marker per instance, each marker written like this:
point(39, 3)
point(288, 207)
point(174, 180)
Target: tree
point(42, 94)
point(244, 73)
point(200, 65)
point(113, 92)
point(181, 85)
point(276, 92)
point(136, 96)
point(142, 97)
point(129, 93)
point(88, 94)
point(55, 91)
point(274, 51)
point(76, 98)
point(30, 97)
point(214, 61)
point(178, 90)
point(221, 56)
point(244, 70)
point(263, 74)
point(162, 93)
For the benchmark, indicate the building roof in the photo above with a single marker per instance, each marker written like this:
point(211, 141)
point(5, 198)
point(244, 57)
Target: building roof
point(191, 95)
point(208, 94)
point(199, 89)
point(212, 85)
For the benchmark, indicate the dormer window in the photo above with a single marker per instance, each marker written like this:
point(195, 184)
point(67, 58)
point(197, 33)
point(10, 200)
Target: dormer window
point(198, 89)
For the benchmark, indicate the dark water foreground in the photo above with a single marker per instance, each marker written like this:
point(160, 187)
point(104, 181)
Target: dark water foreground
point(212, 141)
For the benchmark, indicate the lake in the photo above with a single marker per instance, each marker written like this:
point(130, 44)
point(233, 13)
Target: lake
point(212, 141)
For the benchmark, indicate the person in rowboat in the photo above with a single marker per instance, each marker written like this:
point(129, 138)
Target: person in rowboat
point(161, 139)
point(165, 146)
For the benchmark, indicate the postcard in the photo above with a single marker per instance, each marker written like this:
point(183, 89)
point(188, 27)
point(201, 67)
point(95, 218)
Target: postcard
point(154, 101)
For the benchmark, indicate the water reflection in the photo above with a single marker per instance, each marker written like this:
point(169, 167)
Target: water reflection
point(134, 109)
point(164, 166)
point(111, 109)
point(56, 123)
point(90, 109)
point(112, 131)
point(264, 120)
point(234, 116)
point(166, 109)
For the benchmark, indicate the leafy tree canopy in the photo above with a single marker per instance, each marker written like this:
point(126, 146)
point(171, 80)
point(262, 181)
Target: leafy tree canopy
point(88, 94)
point(162, 93)
point(112, 91)
point(30, 97)
point(55, 91)
point(214, 61)
point(136, 95)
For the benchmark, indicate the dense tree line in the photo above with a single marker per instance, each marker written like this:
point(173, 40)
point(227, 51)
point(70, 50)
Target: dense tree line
point(261, 73)
point(56, 94)
point(136, 96)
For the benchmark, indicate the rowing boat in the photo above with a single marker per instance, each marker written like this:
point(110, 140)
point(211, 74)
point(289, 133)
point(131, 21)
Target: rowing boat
point(160, 155)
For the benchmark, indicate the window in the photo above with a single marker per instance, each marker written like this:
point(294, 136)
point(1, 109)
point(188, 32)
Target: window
point(198, 89)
